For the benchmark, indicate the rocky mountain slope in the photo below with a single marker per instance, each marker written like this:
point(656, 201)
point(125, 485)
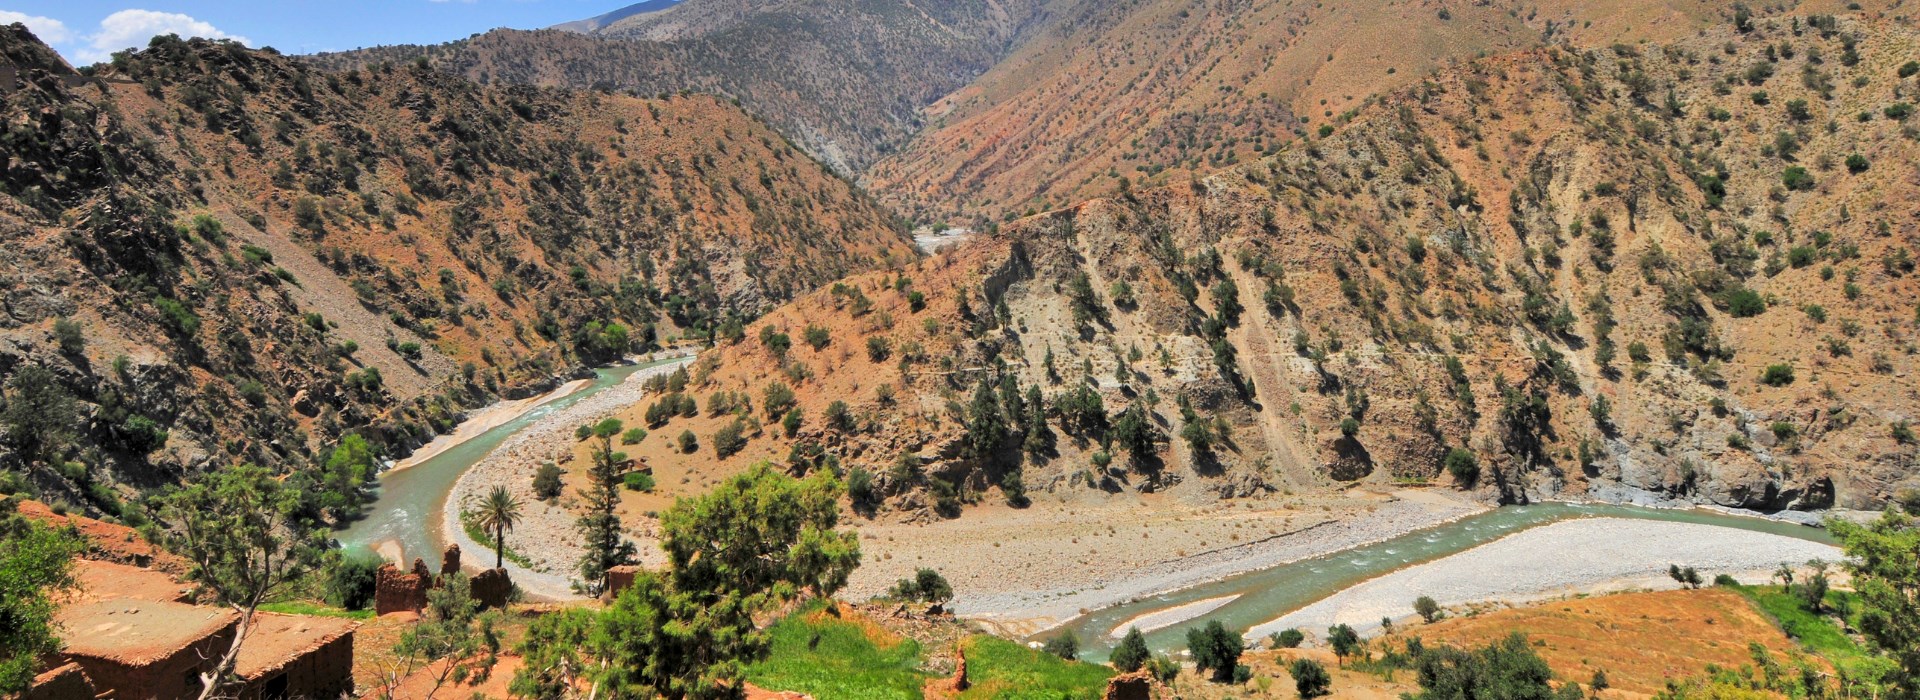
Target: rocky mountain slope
point(845, 80)
point(1644, 271)
point(1157, 92)
point(216, 255)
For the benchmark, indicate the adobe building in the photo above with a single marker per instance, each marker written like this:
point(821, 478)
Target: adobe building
point(139, 649)
point(297, 656)
point(133, 633)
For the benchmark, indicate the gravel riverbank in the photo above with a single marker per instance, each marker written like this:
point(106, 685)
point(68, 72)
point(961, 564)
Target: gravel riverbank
point(545, 535)
point(1564, 558)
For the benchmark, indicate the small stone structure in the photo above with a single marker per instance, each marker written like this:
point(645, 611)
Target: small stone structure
point(620, 578)
point(397, 592)
point(1137, 685)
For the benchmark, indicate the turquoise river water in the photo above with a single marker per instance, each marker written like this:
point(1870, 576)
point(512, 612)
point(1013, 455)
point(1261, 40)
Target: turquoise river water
point(1268, 593)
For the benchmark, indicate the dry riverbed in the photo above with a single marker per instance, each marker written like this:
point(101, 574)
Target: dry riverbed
point(1570, 557)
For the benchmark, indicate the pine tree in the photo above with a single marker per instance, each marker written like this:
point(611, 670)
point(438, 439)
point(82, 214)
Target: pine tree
point(600, 527)
point(986, 428)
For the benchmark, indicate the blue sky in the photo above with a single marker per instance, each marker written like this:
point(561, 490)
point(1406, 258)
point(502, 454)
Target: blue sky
point(86, 31)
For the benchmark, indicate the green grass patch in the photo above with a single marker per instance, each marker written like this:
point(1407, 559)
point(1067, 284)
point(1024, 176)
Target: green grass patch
point(1004, 670)
point(828, 657)
point(308, 607)
point(1818, 633)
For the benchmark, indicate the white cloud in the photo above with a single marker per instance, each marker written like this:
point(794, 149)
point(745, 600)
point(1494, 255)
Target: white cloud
point(49, 30)
point(128, 29)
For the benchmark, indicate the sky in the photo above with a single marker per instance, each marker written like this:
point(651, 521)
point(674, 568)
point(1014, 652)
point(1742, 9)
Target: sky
point(89, 31)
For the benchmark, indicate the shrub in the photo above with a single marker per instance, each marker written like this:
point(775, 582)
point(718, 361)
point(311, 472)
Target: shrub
point(68, 334)
point(1461, 463)
point(1428, 609)
point(633, 436)
point(1857, 163)
point(1744, 303)
point(350, 582)
point(177, 316)
point(688, 442)
point(1898, 111)
point(1310, 678)
point(638, 481)
point(1777, 375)
point(878, 349)
point(1287, 638)
point(926, 586)
point(1064, 645)
point(729, 439)
point(1797, 178)
point(546, 482)
point(838, 416)
point(818, 337)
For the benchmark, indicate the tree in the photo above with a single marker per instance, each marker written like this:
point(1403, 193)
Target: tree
point(1135, 433)
point(1429, 610)
point(348, 470)
point(926, 586)
point(600, 526)
point(498, 513)
point(986, 428)
point(36, 562)
point(758, 533)
point(1345, 641)
point(1216, 649)
point(1310, 678)
point(39, 413)
point(451, 630)
point(757, 540)
point(1064, 645)
point(239, 530)
point(1132, 652)
point(1504, 670)
point(1287, 638)
point(1884, 558)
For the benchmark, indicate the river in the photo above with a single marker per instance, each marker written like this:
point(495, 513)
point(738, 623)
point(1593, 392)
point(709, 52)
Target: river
point(1260, 596)
point(407, 509)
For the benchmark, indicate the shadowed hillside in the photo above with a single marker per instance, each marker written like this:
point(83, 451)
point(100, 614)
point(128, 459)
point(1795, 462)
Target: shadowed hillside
point(216, 255)
point(845, 80)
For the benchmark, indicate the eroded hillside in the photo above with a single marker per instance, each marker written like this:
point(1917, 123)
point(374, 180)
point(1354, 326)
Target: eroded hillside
point(1157, 92)
point(1644, 271)
point(846, 80)
point(220, 255)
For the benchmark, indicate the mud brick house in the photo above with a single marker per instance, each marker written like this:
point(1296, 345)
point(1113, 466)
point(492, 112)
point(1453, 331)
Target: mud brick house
point(133, 633)
point(296, 656)
point(137, 649)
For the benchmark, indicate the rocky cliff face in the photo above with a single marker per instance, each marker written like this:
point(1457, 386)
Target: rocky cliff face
point(221, 255)
point(1676, 271)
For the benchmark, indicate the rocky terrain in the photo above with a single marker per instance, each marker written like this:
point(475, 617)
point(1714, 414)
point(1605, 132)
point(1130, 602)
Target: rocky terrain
point(1160, 92)
point(1656, 269)
point(845, 80)
point(219, 255)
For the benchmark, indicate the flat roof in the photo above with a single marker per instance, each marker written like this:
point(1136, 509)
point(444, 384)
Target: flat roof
point(137, 632)
point(277, 640)
point(101, 580)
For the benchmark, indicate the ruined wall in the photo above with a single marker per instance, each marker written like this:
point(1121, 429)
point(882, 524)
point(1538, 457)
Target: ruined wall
point(68, 682)
point(325, 671)
point(398, 592)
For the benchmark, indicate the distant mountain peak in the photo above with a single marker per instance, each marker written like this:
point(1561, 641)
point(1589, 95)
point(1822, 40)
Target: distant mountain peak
point(592, 24)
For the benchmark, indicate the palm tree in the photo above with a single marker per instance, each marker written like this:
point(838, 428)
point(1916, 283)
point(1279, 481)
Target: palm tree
point(499, 513)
